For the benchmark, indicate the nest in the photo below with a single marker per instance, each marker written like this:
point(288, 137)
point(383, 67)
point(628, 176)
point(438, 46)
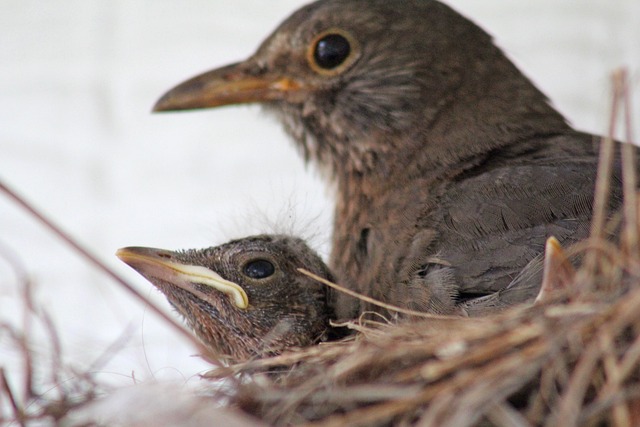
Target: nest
point(572, 360)
point(574, 363)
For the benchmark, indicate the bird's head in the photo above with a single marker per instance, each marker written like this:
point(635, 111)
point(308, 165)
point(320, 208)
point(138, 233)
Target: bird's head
point(245, 298)
point(354, 81)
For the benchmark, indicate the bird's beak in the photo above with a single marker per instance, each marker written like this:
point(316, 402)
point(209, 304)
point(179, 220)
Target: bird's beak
point(234, 84)
point(164, 265)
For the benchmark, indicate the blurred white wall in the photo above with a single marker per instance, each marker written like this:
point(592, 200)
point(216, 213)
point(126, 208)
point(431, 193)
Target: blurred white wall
point(77, 82)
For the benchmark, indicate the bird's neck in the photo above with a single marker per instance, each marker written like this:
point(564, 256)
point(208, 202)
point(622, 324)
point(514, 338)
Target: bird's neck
point(489, 112)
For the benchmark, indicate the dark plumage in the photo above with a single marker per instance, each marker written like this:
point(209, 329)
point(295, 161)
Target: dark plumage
point(451, 168)
point(243, 299)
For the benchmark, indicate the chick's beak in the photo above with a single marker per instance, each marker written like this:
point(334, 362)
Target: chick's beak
point(163, 265)
point(238, 83)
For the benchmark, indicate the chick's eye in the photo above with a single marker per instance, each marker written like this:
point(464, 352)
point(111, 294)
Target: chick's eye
point(259, 269)
point(331, 51)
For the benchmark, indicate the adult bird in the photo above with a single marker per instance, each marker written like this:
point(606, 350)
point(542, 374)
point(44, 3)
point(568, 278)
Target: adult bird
point(244, 299)
point(451, 168)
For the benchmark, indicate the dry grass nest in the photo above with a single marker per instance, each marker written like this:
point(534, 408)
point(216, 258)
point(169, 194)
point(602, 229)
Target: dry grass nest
point(562, 363)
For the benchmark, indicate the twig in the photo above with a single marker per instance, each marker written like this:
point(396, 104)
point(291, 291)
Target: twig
point(374, 301)
point(603, 181)
point(503, 414)
point(20, 339)
point(101, 266)
point(629, 165)
point(18, 413)
point(614, 380)
point(56, 351)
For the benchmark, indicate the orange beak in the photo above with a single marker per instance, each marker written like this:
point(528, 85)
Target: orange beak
point(233, 84)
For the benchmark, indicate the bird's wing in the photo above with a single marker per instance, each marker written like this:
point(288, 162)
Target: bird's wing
point(496, 223)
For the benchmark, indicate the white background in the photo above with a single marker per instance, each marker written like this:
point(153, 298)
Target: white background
point(77, 81)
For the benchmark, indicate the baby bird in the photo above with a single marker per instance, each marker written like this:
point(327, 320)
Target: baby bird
point(244, 299)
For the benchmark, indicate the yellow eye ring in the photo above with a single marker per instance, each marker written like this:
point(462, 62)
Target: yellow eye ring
point(332, 51)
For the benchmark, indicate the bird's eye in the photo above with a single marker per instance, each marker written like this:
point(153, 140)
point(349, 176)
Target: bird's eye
point(332, 51)
point(259, 269)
